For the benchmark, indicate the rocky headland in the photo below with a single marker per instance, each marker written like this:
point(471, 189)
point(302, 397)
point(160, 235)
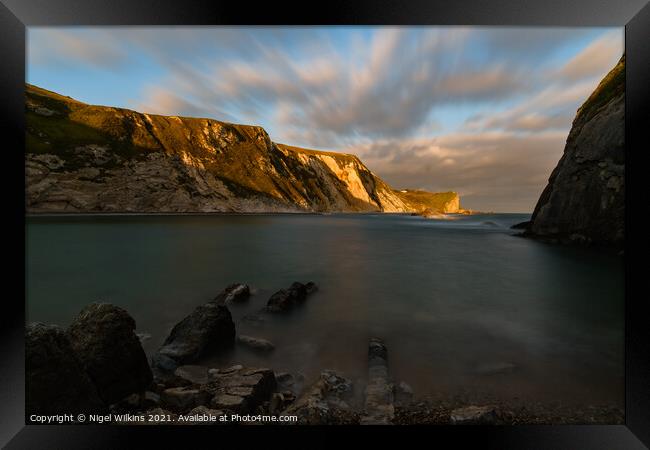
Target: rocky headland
point(584, 201)
point(97, 366)
point(96, 159)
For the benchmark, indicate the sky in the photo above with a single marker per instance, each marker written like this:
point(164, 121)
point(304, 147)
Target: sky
point(483, 111)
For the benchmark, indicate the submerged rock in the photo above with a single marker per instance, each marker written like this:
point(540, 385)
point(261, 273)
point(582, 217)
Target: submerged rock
point(235, 293)
point(208, 329)
point(103, 338)
point(55, 381)
point(286, 299)
point(257, 344)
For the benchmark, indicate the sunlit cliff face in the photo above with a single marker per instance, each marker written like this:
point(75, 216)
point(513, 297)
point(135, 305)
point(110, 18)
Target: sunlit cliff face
point(482, 111)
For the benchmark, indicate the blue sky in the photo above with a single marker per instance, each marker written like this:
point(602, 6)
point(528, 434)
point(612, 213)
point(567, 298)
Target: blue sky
point(482, 111)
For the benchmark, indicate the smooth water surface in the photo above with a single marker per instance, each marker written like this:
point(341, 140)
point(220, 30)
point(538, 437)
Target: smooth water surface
point(461, 304)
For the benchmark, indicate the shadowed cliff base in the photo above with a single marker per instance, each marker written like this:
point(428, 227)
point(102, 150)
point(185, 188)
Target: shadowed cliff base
point(84, 158)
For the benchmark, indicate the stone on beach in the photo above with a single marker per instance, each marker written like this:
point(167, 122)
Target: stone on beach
point(193, 374)
point(183, 398)
point(474, 415)
point(325, 401)
point(103, 338)
point(241, 389)
point(55, 381)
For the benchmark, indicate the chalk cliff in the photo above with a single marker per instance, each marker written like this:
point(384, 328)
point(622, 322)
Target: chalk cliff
point(86, 158)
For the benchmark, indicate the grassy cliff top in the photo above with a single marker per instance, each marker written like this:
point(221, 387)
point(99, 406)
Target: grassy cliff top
point(610, 87)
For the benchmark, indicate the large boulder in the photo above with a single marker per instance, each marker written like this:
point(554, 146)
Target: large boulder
point(234, 293)
point(286, 299)
point(55, 381)
point(208, 329)
point(103, 338)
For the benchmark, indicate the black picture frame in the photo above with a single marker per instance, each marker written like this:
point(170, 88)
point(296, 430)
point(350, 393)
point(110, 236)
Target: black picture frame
point(16, 15)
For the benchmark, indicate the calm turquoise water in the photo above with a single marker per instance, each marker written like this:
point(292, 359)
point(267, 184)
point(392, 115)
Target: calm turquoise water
point(451, 298)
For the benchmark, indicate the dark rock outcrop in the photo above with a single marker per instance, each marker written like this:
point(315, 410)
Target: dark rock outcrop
point(55, 381)
point(209, 328)
point(235, 293)
point(103, 338)
point(286, 299)
point(584, 200)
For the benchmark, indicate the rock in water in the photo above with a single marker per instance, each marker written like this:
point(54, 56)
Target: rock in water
point(208, 329)
point(379, 407)
point(286, 299)
point(235, 293)
point(584, 200)
point(257, 344)
point(55, 381)
point(103, 338)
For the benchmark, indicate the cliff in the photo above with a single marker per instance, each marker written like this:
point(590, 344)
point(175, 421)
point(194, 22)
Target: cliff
point(86, 158)
point(584, 200)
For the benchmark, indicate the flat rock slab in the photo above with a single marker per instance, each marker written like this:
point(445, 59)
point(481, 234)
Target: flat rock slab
point(239, 389)
point(193, 374)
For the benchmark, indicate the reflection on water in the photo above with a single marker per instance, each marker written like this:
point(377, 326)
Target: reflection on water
point(459, 302)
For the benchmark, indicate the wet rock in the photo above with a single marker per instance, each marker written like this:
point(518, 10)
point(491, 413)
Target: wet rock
point(284, 379)
point(206, 415)
point(240, 390)
point(207, 330)
point(150, 400)
point(228, 402)
point(474, 415)
point(183, 398)
point(103, 338)
point(379, 406)
point(257, 344)
point(193, 374)
point(286, 299)
point(235, 293)
point(279, 401)
point(56, 382)
point(325, 401)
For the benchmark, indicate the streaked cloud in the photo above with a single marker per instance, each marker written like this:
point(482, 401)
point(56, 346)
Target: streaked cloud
point(484, 111)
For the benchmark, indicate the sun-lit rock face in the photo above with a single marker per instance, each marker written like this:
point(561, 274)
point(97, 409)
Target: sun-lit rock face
point(584, 200)
point(85, 158)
